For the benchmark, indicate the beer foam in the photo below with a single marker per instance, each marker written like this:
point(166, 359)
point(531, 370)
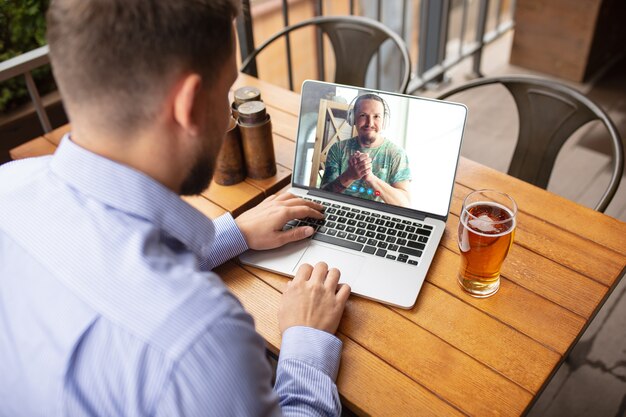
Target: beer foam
point(485, 225)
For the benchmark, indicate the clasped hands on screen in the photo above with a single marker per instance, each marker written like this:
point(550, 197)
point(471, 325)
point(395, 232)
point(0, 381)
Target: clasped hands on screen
point(360, 167)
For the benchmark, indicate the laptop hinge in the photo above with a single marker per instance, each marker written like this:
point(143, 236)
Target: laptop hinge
point(375, 205)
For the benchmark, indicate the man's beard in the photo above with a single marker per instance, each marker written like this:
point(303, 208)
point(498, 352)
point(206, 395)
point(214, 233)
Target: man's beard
point(367, 139)
point(199, 177)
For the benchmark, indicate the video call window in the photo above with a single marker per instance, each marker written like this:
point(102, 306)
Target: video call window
point(361, 143)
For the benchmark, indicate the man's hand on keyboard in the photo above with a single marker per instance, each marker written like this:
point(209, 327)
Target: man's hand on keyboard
point(262, 225)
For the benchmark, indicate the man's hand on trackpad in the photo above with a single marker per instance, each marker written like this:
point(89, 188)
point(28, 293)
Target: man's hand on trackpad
point(313, 299)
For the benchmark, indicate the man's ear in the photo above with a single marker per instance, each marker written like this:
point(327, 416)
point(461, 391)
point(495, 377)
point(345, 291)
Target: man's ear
point(185, 103)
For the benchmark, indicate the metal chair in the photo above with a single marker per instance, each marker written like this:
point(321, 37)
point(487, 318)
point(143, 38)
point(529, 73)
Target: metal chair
point(355, 40)
point(549, 113)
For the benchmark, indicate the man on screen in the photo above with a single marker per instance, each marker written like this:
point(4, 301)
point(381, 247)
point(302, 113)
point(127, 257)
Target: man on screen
point(368, 165)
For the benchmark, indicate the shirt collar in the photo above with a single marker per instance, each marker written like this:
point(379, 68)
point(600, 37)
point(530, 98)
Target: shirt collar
point(132, 192)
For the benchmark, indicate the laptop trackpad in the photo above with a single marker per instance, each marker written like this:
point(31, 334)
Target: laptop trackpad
point(347, 263)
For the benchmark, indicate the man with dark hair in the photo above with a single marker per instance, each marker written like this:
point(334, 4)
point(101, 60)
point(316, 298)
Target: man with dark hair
point(108, 305)
point(368, 165)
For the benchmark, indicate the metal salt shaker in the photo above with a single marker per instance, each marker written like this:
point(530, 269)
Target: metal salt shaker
point(229, 166)
point(256, 137)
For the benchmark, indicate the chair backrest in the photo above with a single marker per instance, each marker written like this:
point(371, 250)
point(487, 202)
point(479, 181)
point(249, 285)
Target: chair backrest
point(549, 113)
point(355, 40)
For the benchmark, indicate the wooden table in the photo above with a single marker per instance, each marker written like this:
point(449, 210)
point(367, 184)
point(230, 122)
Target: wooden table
point(451, 354)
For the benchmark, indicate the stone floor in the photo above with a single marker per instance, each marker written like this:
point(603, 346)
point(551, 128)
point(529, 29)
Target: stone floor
point(592, 381)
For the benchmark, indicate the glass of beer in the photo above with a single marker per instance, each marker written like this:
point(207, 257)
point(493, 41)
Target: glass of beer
point(486, 230)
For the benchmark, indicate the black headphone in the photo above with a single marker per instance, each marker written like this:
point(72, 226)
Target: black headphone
point(368, 96)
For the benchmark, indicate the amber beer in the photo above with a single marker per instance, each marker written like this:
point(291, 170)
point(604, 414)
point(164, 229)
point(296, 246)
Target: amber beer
point(486, 230)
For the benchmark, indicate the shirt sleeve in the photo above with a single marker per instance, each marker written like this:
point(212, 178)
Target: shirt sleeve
point(307, 369)
point(226, 373)
point(228, 243)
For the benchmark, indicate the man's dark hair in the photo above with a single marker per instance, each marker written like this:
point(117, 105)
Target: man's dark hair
point(116, 57)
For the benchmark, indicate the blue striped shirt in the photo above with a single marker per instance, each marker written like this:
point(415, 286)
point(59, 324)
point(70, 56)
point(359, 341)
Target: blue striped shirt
point(108, 306)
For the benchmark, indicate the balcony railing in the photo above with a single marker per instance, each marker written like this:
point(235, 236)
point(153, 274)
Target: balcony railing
point(23, 65)
point(448, 32)
point(442, 43)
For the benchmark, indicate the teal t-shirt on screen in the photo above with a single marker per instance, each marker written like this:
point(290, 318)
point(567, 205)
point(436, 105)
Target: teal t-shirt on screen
point(389, 163)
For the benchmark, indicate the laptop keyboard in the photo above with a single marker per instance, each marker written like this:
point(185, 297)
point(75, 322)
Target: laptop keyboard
point(369, 232)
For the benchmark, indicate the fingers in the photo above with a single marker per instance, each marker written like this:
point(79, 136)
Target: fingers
point(332, 279)
point(290, 200)
point(295, 234)
point(281, 197)
point(343, 293)
point(269, 199)
point(300, 212)
point(364, 166)
point(361, 162)
point(358, 160)
point(296, 201)
point(332, 284)
point(303, 274)
point(319, 273)
point(361, 156)
point(365, 162)
point(305, 271)
point(262, 225)
point(358, 164)
point(308, 272)
point(329, 278)
point(313, 299)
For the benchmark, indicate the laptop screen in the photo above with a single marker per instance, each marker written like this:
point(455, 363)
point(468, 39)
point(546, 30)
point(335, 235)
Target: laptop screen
point(386, 148)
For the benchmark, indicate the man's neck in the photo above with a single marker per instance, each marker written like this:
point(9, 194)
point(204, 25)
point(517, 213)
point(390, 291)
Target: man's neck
point(141, 151)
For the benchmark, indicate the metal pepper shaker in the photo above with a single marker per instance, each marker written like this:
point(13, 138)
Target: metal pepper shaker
point(229, 166)
point(256, 137)
point(243, 95)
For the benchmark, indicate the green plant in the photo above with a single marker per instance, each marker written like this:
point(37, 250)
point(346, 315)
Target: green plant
point(22, 28)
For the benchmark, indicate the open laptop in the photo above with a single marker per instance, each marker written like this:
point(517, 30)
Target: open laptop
point(382, 240)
